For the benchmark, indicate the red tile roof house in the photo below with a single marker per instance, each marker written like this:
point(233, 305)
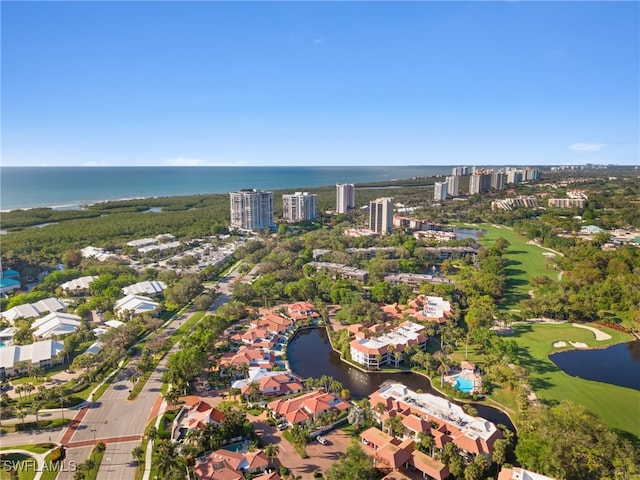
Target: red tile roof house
point(302, 311)
point(269, 383)
point(391, 453)
point(300, 409)
point(258, 337)
point(201, 414)
point(473, 435)
point(274, 323)
point(374, 351)
point(227, 465)
point(250, 356)
point(432, 309)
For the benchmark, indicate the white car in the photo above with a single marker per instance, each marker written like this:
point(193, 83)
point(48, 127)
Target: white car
point(321, 440)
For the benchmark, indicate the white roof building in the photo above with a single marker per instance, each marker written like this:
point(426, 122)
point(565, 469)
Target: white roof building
point(17, 358)
point(31, 310)
point(516, 473)
point(78, 284)
point(114, 323)
point(55, 323)
point(152, 288)
point(142, 242)
point(135, 305)
point(95, 252)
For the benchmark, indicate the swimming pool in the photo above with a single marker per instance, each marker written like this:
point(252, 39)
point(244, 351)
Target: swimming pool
point(463, 383)
point(235, 447)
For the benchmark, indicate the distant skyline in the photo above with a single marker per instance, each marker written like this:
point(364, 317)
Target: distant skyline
point(319, 83)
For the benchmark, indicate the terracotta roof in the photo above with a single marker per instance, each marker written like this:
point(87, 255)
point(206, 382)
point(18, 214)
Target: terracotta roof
point(429, 465)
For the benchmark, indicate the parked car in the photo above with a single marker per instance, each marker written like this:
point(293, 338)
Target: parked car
point(282, 426)
point(321, 440)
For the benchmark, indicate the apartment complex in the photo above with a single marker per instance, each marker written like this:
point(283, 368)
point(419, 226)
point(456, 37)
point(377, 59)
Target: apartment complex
point(453, 185)
point(251, 209)
point(459, 171)
point(567, 202)
point(387, 348)
point(381, 215)
point(440, 190)
point(436, 416)
point(479, 182)
point(345, 197)
point(299, 206)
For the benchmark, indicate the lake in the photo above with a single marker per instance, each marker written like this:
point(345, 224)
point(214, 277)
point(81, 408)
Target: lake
point(310, 355)
point(617, 365)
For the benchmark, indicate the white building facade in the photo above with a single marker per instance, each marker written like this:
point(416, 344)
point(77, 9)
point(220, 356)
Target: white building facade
point(381, 215)
point(299, 206)
point(251, 210)
point(345, 197)
point(440, 191)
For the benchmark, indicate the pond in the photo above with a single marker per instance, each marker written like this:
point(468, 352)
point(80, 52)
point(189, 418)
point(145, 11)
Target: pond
point(617, 365)
point(310, 355)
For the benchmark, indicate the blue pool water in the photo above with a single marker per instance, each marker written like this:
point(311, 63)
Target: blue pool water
point(235, 447)
point(464, 384)
point(1, 344)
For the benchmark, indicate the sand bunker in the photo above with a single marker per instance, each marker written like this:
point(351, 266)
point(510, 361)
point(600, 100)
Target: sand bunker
point(579, 344)
point(560, 344)
point(600, 335)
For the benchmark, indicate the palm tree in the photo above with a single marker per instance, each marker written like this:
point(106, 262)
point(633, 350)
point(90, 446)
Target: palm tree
point(138, 454)
point(271, 451)
point(164, 459)
point(426, 442)
point(395, 426)
point(21, 413)
point(36, 406)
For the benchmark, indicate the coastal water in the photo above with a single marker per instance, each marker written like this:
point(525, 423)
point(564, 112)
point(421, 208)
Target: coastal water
point(71, 187)
point(310, 354)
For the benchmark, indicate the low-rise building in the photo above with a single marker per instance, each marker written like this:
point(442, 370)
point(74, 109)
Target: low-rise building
point(227, 465)
point(374, 351)
point(300, 409)
point(437, 416)
point(268, 383)
point(55, 324)
point(150, 288)
point(432, 309)
point(78, 286)
point(516, 473)
point(16, 359)
point(231, 362)
point(32, 310)
point(389, 452)
point(131, 305)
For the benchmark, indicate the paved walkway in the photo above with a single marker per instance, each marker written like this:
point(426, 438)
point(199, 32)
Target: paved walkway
point(600, 335)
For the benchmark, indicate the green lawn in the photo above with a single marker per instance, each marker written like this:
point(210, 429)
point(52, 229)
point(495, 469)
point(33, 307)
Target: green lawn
point(617, 406)
point(24, 466)
point(523, 261)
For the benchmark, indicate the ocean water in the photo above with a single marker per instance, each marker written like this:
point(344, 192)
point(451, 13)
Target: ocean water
point(71, 187)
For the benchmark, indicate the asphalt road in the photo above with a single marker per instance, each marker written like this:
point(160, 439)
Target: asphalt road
point(118, 422)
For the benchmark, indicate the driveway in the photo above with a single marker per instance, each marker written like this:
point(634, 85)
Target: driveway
point(321, 457)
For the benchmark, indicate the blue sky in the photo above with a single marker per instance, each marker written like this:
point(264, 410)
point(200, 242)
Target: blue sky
point(320, 83)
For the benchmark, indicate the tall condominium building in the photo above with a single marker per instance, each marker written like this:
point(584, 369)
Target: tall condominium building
point(531, 174)
point(498, 180)
point(299, 206)
point(251, 209)
point(459, 171)
point(479, 182)
point(381, 215)
point(514, 176)
point(440, 190)
point(345, 197)
point(453, 185)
